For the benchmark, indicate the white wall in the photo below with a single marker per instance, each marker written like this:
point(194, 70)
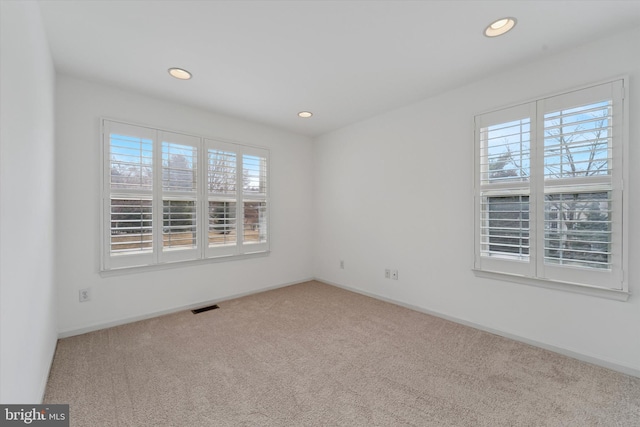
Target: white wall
point(396, 191)
point(28, 332)
point(116, 299)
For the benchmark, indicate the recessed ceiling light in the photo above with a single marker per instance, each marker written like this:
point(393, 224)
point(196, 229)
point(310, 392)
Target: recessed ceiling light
point(499, 27)
point(305, 114)
point(180, 73)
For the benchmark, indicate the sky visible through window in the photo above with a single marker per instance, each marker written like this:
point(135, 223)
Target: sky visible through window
point(132, 161)
point(508, 150)
point(576, 143)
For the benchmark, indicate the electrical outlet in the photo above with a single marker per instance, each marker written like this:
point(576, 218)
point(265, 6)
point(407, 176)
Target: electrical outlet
point(387, 273)
point(84, 294)
point(342, 264)
point(394, 274)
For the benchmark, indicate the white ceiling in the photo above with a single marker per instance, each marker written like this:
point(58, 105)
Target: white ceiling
point(265, 61)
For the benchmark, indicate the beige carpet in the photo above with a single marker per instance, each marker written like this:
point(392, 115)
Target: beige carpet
point(315, 355)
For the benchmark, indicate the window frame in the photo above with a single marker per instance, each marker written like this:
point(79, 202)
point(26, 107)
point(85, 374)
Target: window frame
point(604, 283)
point(159, 256)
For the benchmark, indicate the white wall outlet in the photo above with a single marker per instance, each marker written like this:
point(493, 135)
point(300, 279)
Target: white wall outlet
point(342, 264)
point(394, 274)
point(84, 295)
point(387, 273)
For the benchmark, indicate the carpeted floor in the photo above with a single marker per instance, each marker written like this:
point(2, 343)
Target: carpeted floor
point(316, 355)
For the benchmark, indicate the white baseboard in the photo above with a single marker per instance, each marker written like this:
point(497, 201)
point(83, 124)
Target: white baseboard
point(628, 370)
point(104, 325)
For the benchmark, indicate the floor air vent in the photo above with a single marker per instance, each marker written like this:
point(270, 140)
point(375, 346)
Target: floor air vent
point(203, 309)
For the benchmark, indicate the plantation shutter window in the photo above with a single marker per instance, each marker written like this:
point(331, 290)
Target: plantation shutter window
point(128, 195)
point(180, 217)
point(222, 195)
point(504, 151)
point(548, 189)
point(170, 197)
point(254, 199)
point(581, 208)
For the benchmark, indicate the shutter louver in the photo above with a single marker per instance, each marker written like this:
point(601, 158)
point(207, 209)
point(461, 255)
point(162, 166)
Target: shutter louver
point(505, 162)
point(578, 229)
point(505, 226)
point(130, 183)
point(131, 163)
point(179, 195)
point(179, 224)
point(577, 161)
point(254, 187)
point(577, 142)
point(131, 225)
point(222, 192)
point(222, 173)
point(506, 152)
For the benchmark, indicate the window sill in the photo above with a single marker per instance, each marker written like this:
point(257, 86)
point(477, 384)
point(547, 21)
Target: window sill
point(612, 294)
point(179, 264)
